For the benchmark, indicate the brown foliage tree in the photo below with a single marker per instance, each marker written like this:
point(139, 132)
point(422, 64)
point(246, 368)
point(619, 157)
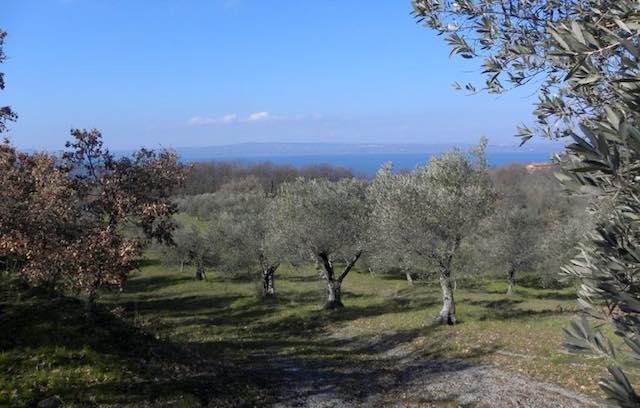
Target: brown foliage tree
point(77, 222)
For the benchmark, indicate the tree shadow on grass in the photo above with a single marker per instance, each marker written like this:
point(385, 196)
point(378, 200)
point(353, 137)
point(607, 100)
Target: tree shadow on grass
point(547, 294)
point(519, 314)
point(178, 305)
point(335, 368)
point(300, 278)
point(273, 357)
point(223, 389)
point(507, 309)
point(553, 296)
point(149, 284)
point(58, 334)
point(496, 304)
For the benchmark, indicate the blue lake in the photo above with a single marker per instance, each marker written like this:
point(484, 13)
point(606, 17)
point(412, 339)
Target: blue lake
point(370, 163)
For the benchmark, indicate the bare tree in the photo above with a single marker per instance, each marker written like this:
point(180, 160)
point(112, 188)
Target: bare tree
point(6, 114)
point(426, 214)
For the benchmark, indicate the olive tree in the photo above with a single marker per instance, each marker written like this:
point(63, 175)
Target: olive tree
point(515, 242)
point(424, 215)
point(244, 235)
point(192, 246)
point(325, 220)
point(584, 56)
point(520, 223)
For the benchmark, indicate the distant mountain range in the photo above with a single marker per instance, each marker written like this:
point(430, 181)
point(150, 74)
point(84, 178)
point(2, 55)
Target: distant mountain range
point(265, 150)
point(364, 158)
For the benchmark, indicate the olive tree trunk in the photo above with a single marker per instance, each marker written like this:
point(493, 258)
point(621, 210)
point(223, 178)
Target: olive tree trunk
point(447, 314)
point(409, 278)
point(334, 295)
point(511, 279)
point(268, 287)
point(334, 285)
point(200, 274)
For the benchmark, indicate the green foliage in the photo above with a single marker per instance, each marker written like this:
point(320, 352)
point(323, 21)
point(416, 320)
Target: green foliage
point(585, 54)
point(309, 218)
point(420, 218)
point(534, 228)
point(217, 176)
point(192, 246)
point(231, 234)
point(242, 228)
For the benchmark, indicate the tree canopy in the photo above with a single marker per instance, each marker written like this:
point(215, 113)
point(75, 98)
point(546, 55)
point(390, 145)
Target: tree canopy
point(77, 222)
point(424, 215)
point(322, 220)
point(585, 56)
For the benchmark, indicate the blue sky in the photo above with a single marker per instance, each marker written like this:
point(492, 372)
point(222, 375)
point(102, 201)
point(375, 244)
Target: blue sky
point(209, 72)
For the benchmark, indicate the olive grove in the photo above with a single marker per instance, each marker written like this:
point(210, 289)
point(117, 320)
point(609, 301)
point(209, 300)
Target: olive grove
point(235, 239)
point(582, 56)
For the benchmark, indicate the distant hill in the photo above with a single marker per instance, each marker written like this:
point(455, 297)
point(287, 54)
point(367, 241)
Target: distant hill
point(361, 158)
point(253, 150)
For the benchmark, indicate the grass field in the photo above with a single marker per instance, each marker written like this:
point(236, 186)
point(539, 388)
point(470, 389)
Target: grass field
point(173, 341)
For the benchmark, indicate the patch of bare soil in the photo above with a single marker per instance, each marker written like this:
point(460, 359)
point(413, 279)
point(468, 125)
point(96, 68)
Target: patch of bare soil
point(399, 377)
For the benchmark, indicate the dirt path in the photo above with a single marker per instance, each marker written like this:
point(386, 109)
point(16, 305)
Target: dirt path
point(398, 378)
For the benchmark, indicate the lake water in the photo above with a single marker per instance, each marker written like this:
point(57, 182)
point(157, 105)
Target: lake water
point(370, 163)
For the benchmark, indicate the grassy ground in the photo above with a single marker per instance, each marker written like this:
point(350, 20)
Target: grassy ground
point(186, 343)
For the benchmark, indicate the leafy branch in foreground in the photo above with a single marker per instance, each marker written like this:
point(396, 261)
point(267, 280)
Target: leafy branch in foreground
point(584, 53)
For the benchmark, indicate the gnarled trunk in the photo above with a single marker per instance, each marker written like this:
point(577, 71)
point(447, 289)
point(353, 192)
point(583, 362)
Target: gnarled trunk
point(334, 295)
point(200, 274)
point(511, 279)
point(448, 313)
point(268, 288)
point(409, 278)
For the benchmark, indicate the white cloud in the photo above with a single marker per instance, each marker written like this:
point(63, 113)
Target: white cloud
point(257, 116)
point(232, 118)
